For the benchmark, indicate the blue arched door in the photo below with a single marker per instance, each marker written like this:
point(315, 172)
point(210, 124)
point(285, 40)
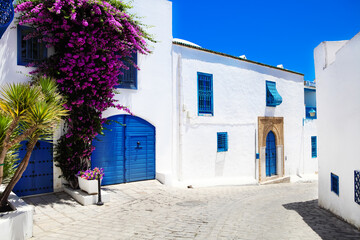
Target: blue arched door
point(126, 151)
point(270, 154)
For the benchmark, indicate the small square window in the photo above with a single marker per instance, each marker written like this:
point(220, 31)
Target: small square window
point(129, 77)
point(29, 51)
point(335, 183)
point(222, 141)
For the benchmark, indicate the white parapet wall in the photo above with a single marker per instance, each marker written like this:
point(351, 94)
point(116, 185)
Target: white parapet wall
point(338, 101)
point(17, 224)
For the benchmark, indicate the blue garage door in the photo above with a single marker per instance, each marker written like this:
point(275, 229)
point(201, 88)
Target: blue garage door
point(126, 151)
point(270, 154)
point(38, 176)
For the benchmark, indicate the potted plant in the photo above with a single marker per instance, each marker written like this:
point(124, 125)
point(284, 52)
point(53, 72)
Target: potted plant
point(88, 180)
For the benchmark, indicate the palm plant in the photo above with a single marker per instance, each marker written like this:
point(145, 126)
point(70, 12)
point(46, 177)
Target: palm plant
point(33, 112)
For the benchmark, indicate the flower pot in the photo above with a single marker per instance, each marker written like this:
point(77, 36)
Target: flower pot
point(89, 186)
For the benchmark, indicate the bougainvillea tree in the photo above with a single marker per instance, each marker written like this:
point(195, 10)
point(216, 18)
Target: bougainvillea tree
point(92, 39)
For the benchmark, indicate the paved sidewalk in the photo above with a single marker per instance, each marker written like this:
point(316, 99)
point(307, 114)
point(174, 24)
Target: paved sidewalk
point(149, 210)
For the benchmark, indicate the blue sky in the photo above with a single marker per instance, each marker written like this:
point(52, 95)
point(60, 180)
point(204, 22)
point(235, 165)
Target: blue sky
point(272, 32)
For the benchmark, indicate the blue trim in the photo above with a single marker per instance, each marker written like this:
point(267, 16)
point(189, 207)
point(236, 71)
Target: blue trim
point(222, 142)
point(257, 156)
point(357, 186)
point(273, 98)
point(334, 183)
point(128, 79)
point(7, 16)
point(314, 147)
point(205, 94)
point(25, 51)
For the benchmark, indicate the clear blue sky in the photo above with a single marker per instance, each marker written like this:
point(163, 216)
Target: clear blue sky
point(272, 32)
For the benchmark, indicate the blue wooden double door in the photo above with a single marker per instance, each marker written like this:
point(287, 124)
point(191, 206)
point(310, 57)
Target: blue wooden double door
point(38, 176)
point(270, 154)
point(126, 151)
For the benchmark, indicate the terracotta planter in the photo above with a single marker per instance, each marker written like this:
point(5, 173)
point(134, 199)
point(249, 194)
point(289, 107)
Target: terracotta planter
point(89, 186)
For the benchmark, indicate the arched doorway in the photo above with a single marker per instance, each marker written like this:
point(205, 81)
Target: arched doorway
point(270, 154)
point(126, 151)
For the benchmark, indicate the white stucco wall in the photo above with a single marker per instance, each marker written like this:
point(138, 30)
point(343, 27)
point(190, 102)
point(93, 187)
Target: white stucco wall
point(239, 93)
point(338, 100)
point(309, 165)
point(152, 100)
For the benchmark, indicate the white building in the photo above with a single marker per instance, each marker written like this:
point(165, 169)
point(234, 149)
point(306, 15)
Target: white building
point(202, 117)
point(338, 84)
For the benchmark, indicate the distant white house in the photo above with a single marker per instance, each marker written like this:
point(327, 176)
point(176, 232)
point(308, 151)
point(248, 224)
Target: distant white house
point(338, 99)
point(202, 117)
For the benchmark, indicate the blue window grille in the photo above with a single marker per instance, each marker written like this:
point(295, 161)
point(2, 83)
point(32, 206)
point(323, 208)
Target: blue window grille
point(222, 141)
point(129, 78)
point(29, 51)
point(273, 98)
point(313, 147)
point(311, 112)
point(6, 15)
point(357, 186)
point(335, 183)
point(205, 94)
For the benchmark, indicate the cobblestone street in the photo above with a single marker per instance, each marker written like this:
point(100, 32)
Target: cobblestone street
point(150, 210)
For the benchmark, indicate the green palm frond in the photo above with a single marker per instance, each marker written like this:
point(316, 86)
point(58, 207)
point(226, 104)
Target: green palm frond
point(16, 98)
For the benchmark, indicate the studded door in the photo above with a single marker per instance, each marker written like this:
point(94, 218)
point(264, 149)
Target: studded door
point(38, 176)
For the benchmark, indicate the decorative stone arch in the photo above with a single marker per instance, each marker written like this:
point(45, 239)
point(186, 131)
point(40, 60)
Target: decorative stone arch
point(276, 125)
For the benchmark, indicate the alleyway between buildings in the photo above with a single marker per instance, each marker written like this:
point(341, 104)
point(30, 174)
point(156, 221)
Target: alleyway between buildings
point(150, 210)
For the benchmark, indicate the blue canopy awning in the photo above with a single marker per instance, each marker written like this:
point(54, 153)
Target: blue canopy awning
point(273, 98)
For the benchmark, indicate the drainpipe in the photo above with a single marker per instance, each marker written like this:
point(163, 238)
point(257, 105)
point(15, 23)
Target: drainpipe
point(180, 121)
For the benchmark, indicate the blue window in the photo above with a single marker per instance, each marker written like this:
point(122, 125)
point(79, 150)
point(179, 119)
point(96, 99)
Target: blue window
point(222, 141)
point(29, 51)
point(313, 146)
point(335, 183)
point(205, 94)
point(273, 98)
point(357, 186)
point(129, 78)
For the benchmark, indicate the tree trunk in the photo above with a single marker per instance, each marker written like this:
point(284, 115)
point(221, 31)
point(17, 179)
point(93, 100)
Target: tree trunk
point(6, 148)
point(9, 144)
point(19, 171)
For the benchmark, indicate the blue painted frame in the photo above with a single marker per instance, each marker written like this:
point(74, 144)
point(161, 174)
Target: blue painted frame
point(314, 147)
point(201, 111)
point(20, 60)
point(222, 142)
point(126, 83)
point(357, 186)
point(334, 183)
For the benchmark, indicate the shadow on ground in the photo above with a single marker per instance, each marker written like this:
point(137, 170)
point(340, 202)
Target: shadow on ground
point(324, 223)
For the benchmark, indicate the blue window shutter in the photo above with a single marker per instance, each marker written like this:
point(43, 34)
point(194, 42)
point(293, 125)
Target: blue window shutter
point(6, 16)
point(29, 51)
point(222, 141)
point(205, 93)
point(357, 186)
point(334, 183)
point(129, 78)
point(273, 98)
point(314, 146)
